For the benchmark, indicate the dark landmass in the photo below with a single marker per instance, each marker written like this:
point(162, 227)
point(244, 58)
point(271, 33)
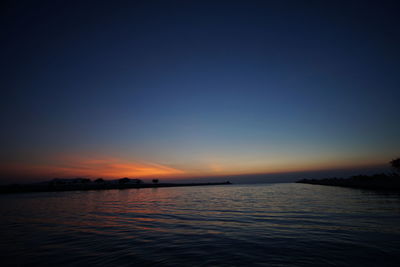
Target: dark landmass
point(85, 184)
point(373, 182)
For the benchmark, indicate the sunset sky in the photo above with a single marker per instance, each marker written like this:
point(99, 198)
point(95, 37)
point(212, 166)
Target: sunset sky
point(178, 89)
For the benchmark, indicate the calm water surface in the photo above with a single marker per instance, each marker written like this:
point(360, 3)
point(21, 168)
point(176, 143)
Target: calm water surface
point(232, 225)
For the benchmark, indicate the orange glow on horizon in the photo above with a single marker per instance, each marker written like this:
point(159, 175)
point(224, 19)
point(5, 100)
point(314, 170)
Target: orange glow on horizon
point(111, 168)
point(103, 167)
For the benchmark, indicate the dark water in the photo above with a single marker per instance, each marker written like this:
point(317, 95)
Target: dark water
point(237, 225)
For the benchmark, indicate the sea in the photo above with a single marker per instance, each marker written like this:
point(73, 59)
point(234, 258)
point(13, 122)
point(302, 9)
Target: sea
point(285, 224)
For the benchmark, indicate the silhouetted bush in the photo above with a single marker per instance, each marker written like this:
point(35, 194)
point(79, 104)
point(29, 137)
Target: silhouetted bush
point(396, 164)
point(124, 180)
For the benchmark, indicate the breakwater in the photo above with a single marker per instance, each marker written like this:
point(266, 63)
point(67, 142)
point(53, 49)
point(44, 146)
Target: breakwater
point(19, 188)
point(374, 182)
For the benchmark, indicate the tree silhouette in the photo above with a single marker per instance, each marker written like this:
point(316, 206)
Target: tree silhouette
point(155, 181)
point(395, 164)
point(124, 180)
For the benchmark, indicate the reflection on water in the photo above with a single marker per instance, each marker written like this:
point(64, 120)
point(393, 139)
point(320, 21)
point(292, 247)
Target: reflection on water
point(267, 225)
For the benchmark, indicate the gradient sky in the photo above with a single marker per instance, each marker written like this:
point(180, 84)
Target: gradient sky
point(197, 88)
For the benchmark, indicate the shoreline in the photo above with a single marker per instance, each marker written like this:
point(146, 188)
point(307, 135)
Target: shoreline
point(377, 182)
point(32, 188)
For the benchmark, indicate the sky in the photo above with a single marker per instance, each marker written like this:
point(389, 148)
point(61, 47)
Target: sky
point(178, 89)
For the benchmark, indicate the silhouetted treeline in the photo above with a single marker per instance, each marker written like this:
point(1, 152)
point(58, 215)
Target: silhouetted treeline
point(380, 181)
point(86, 184)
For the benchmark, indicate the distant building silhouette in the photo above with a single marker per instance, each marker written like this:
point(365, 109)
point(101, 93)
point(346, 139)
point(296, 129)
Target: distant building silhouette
point(99, 180)
point(127, 180)
point(59, 181)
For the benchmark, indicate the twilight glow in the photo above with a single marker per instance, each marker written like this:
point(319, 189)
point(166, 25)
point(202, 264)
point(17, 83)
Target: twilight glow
point(175, 90)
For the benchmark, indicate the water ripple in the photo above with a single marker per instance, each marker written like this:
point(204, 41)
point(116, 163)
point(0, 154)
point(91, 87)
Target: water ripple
point(256, 225)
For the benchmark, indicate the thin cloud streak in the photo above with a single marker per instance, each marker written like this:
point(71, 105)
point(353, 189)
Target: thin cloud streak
point(93, 167)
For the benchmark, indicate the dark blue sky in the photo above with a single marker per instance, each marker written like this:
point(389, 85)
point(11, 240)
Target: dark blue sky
point(184, 88)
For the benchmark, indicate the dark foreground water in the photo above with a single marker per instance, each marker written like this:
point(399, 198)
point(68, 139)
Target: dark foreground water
point(236, 225)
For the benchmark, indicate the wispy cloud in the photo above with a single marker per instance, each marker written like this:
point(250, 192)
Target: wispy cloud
point(90, 167)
